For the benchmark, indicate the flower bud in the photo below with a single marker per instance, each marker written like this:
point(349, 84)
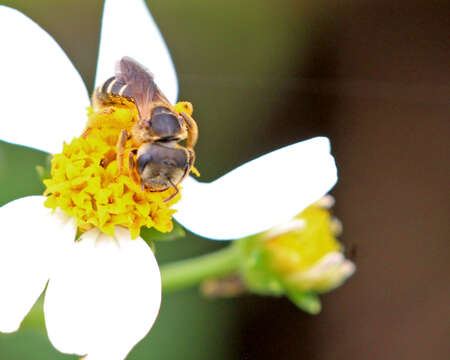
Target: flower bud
point(298, 259)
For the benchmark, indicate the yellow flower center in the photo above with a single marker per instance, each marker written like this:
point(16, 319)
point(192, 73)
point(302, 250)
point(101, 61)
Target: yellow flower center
point(298, 250)
point(86, 185)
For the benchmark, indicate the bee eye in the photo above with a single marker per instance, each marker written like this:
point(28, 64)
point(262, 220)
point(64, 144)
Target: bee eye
point(143, 160)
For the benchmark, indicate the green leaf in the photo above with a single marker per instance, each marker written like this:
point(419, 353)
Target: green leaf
point(44, 170)
point(155, 235)
point(41, 172)
point(307, 301)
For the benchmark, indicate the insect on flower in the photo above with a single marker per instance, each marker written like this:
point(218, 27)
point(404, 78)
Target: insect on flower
point(157, 162)
point(103, 291)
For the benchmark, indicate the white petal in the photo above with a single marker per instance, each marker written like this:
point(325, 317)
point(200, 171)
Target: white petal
point(106, 298)
point(31, 239)
point(260, 194)
point(291, 225)
point(43, 97)
point(128, 29)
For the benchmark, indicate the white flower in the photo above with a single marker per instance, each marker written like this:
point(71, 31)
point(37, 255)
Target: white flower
point(104, 293)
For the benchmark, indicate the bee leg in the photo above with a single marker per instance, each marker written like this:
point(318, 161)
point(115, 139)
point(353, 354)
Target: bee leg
point(109, 157)
point(191, 158)
point(191, 167)
point(132, 167)
point(174, 194)
point(192, 129)
point(120, 147)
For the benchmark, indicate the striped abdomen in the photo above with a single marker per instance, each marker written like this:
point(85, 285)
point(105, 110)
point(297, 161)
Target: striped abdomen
point(112, 92)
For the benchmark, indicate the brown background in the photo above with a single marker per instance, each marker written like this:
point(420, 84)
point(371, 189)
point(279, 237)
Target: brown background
point(380, 77)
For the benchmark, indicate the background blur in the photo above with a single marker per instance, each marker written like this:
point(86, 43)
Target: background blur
point(371, 75)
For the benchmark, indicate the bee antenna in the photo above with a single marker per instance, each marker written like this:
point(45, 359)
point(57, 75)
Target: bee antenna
point(174, 194)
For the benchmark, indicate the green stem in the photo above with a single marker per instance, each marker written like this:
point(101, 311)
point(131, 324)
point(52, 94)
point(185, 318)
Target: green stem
point(190, 272)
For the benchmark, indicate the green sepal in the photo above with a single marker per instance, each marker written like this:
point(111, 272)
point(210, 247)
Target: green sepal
point(154, 235)
point(256, 276)
point(78, 234)
point(305, 300)
point(254, 268)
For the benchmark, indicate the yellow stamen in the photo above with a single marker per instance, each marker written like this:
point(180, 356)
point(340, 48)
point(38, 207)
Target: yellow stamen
point(85, 182)
point(184, 106)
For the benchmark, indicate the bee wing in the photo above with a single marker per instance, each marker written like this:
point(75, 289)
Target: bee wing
point(141, 85)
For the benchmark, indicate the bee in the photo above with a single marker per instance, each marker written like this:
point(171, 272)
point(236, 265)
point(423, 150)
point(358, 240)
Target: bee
point(157, 162)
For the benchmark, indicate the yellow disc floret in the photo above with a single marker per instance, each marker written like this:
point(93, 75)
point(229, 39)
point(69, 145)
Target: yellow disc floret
point(85, 182)
point(298, 250)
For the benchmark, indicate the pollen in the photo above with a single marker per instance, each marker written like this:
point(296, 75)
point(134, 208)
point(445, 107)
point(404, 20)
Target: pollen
point(85, 182)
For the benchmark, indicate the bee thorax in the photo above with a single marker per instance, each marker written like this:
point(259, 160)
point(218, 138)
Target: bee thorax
point(165, 123)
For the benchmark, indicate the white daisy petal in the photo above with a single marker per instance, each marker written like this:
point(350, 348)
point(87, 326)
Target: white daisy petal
point(27, 255)
point(44, 99)
point(106, 297)
point(138, 37)
point(260, 194)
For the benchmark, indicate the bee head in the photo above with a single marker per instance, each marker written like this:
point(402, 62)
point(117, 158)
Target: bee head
point(161, 166)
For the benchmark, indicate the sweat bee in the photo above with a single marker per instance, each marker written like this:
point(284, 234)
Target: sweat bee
point(158, 162)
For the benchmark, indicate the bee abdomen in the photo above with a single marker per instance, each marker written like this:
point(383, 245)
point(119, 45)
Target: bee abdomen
point(112, 92)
